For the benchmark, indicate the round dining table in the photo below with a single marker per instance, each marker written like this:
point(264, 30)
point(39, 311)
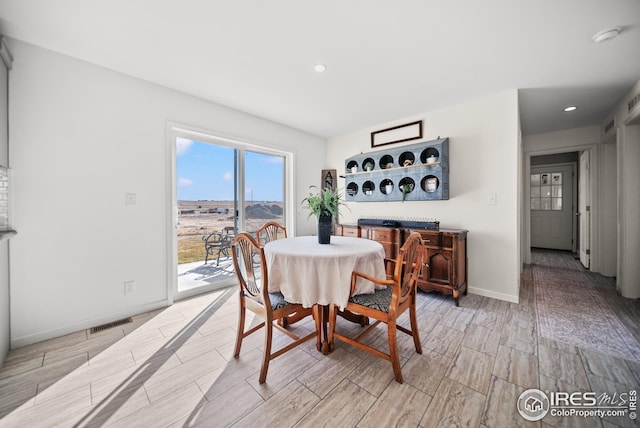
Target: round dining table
point(310, 273)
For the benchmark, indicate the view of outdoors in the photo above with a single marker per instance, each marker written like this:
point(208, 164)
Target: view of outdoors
point(206, 177)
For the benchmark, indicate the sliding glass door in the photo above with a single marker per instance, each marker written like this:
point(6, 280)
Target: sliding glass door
point(220, 187)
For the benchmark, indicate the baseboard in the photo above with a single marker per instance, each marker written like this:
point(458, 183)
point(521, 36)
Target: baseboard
point(494, 295)
point(18, 342)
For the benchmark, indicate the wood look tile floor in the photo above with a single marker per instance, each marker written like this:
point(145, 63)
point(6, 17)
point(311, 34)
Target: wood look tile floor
point(174, 368)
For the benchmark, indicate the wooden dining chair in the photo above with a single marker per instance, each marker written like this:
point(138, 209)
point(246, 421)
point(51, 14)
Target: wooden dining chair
point(251, 270)
point(270, 232)
point(386, 304)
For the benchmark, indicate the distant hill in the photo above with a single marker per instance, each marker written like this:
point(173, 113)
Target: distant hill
point(263, 211)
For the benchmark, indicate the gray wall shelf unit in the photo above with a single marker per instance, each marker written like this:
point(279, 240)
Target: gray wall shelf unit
point(422, 169)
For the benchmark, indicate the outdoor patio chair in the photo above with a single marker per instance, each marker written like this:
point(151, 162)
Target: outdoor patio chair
point(217, 244)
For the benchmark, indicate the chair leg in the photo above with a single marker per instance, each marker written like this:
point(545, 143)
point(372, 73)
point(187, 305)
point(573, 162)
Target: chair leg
point(393, 351)
point(316, 319)
point(266, 357)
point(333, 314)
point(236, 352)
point(415, 333)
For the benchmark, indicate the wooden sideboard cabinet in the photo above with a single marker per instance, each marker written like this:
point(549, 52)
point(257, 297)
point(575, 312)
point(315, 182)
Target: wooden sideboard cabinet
point(445, 264)
point(445, 261)
point(389, 237)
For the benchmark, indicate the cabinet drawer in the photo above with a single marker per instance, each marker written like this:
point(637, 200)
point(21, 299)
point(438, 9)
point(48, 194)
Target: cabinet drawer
point(351, 231)
point(437, 240)
point(382, 235)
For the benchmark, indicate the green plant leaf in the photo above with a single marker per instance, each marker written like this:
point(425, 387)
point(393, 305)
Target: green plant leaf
point(324, 202)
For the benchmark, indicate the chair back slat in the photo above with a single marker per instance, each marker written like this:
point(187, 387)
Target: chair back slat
point(408, 265)
point(271, 231)
point(250, 266)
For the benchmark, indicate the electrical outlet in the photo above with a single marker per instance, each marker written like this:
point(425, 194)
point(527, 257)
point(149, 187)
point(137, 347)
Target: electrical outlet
point(129, 287)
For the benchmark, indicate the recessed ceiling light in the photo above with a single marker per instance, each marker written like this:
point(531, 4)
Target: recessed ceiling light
point(320, 68)
point(570, 108)
point(608, 34)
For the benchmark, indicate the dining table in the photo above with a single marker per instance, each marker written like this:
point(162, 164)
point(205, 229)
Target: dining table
point(310, 273)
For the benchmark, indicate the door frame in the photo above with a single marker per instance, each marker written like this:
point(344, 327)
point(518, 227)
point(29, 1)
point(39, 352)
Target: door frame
point(526, 200)
point(174, 130)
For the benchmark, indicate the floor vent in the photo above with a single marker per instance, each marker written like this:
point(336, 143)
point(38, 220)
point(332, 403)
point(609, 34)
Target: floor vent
point(110, 325)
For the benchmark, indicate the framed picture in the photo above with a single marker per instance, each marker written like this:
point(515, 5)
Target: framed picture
point(329, 179)
point(544, 179)
point(431, 184)
point(397, 134)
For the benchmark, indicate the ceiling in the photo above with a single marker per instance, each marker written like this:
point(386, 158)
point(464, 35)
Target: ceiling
point(385, 60)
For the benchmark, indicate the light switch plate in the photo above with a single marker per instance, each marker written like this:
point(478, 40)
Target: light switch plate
point(130, 199)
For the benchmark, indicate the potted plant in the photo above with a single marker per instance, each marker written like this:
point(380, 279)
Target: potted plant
point(368, 166)
point(324, 205)
point(405, 189)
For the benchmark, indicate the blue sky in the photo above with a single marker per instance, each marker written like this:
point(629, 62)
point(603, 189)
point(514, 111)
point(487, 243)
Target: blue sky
point(205, 172)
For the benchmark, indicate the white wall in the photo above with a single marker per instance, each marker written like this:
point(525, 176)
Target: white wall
point(570, 140)
point(628, 281)
point(608, 202)
point(81, 137)
point(483, 152)
point(626, 117)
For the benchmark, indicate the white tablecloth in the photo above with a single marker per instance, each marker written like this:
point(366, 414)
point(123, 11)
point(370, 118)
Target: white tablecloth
point(308, 273)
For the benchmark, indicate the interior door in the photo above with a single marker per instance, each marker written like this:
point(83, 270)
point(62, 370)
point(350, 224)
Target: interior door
point(552, 212)
point(584, 208)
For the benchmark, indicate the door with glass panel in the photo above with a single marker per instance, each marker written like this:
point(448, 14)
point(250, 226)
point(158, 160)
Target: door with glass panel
point(552, 213)
point(210, 208)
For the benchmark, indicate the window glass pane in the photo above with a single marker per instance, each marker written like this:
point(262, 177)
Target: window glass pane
point(264, 189)
point(556, 178)
point(535, 203)
point(557, 204)
point(545, 191)
point(544, 179)
point(556, 191)
point(535, 192)
point(545, 203)
point(535, 179)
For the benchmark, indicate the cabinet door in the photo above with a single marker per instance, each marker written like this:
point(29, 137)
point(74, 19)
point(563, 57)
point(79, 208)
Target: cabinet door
point(439, 263)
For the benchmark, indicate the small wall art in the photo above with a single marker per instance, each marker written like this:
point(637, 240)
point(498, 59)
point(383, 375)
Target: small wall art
point(397, 134)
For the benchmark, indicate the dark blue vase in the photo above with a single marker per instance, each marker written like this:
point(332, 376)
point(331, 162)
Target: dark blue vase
point(324, 229)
